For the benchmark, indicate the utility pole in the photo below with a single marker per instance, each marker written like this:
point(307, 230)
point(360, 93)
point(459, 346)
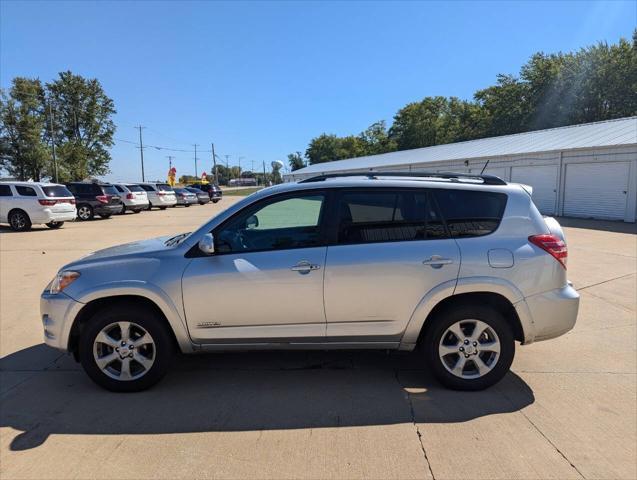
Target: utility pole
point(195, 160)
point(141, 150)
point(170, 161)
point(264, 181)
point(227, 157)
point(55, 162)
point(214, 164)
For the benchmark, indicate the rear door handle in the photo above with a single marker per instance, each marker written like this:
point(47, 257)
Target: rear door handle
point(436, 261)
point(305, 267)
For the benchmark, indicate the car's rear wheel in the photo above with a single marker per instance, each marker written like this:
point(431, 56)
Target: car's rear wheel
point(163, 208)
point(137, 210)
point(54, 225)
point(123, 211)
point(215, 201)
point(105, 215)
point(19, 221)
point(125, 348)
point(469, 347)
point(85, 212)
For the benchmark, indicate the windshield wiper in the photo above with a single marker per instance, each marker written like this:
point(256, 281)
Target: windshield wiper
point(176, 240)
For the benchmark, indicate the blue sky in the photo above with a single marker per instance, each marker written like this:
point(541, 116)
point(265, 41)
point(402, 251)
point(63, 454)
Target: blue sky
point(260, 79)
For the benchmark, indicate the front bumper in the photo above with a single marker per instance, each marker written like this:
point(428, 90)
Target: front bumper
point(57, 313)
point(552, 313)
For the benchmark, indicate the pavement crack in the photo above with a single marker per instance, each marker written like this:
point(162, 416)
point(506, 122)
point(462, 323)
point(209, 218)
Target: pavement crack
point(413, 420)
point(528, 419)
point(579, 289)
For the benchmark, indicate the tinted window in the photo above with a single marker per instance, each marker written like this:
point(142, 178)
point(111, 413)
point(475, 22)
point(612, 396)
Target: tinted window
point(135, 188)
point(471, 213)
point(5, 191)
point(274, 225)
point(26, 191)
point(57, 191)
point(387, 216)
point(109, 190)
point(119, 189)
point(164, 187)
point(148, 188)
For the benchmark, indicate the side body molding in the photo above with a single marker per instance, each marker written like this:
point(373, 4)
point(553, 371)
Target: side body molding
point(466, 285)
point(149, 291)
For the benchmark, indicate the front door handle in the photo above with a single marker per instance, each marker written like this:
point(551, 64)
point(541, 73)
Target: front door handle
point(305, 267)
point(436, 261)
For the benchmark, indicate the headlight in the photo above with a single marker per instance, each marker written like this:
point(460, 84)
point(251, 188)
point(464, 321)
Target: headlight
point(62, 280)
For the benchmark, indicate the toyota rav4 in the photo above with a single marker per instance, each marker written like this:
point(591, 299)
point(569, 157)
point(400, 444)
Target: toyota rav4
point(459, 266)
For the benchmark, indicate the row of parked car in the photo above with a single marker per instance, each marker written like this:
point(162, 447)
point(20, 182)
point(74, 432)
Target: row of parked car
point(23, 204)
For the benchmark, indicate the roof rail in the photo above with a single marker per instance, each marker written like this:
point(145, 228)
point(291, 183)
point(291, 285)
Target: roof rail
point(454, 177)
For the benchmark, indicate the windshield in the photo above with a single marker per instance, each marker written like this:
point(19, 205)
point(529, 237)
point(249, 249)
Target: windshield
point(109, 190)
point(176, 240)
point(56, 191)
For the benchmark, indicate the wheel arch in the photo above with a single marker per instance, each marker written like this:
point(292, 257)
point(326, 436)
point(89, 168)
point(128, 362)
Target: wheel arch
point(93, 306)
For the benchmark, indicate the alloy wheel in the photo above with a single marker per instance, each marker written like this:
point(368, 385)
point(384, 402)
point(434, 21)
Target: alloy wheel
point(124, 351)
point(469, 349)
point(18, 220)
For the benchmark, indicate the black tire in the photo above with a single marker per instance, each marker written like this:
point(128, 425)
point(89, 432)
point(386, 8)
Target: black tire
point(187, 205)
point(163, 208)
point(202, 203)
point(105, 216)
point(163, 346)
point(215, 201)
point(85, 212)
point(19, 221)
point(123, 210)
point(446, 319)
point(150, 206)
point(137, 210)
point(54, 225)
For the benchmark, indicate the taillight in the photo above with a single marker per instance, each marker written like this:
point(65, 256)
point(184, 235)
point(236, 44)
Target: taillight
point(130, 196)
point(72, 201)
point(47, 203)
point(102, 198)
point(161, 193)
point(553, 245)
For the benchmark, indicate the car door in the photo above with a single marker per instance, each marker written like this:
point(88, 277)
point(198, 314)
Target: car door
point(389, 249)
point(6, 201)
point(264, 283)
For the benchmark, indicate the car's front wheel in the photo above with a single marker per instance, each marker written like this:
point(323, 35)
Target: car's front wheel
point(469, 347)
point(54, 225)
point(125, 348)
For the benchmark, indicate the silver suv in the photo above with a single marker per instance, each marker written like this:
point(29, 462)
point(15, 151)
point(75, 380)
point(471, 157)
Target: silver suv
point(459, 266)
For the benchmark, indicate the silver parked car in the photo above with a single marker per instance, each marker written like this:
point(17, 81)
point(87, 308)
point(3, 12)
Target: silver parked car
point(460, 266)
point(185, 197)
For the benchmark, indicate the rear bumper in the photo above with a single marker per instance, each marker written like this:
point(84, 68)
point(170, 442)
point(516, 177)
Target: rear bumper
point(551, 313)
point(46, 216)
point(108, 209)
point(135, 203)
point(165, 201)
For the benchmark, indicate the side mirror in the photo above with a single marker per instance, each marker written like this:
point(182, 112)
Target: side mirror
point(207, 244)
point(252, 222)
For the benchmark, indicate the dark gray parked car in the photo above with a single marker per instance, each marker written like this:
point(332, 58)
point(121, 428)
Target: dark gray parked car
point(202, 197)
point(95, 199)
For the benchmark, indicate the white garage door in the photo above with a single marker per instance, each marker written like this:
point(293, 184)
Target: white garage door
point(596, 190)
point(544, 182)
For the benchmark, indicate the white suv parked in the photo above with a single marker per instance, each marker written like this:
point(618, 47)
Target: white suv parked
point(160, 195)
point(461, 266)
point(133, 197)
point(23, 204)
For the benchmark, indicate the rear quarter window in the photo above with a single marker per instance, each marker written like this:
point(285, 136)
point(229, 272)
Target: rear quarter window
point(57, 191)
point(26, 191)
point(164, 187)
point(109, 190)
point(471, 213)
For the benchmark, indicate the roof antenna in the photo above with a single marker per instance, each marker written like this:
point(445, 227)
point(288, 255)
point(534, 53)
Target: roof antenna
point(485, 166)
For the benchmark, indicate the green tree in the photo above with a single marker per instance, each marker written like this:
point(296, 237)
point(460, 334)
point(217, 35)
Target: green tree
point(84, 125)
point(296, 161)
point(376, 139)
point(23, 152)
point(323, 148)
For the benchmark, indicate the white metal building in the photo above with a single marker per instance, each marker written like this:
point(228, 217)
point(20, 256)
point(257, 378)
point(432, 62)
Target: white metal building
point(587, 170)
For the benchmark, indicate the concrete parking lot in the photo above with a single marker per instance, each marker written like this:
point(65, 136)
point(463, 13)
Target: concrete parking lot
point(567, 410)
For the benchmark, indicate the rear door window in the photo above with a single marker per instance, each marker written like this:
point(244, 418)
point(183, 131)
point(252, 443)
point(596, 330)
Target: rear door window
point(26, 191)
point(5, 191)
point(387, 216)
point(471, 213)
point(56, 191)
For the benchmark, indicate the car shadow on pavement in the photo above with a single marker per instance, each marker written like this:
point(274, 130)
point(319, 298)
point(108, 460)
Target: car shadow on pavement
point(48, 394)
